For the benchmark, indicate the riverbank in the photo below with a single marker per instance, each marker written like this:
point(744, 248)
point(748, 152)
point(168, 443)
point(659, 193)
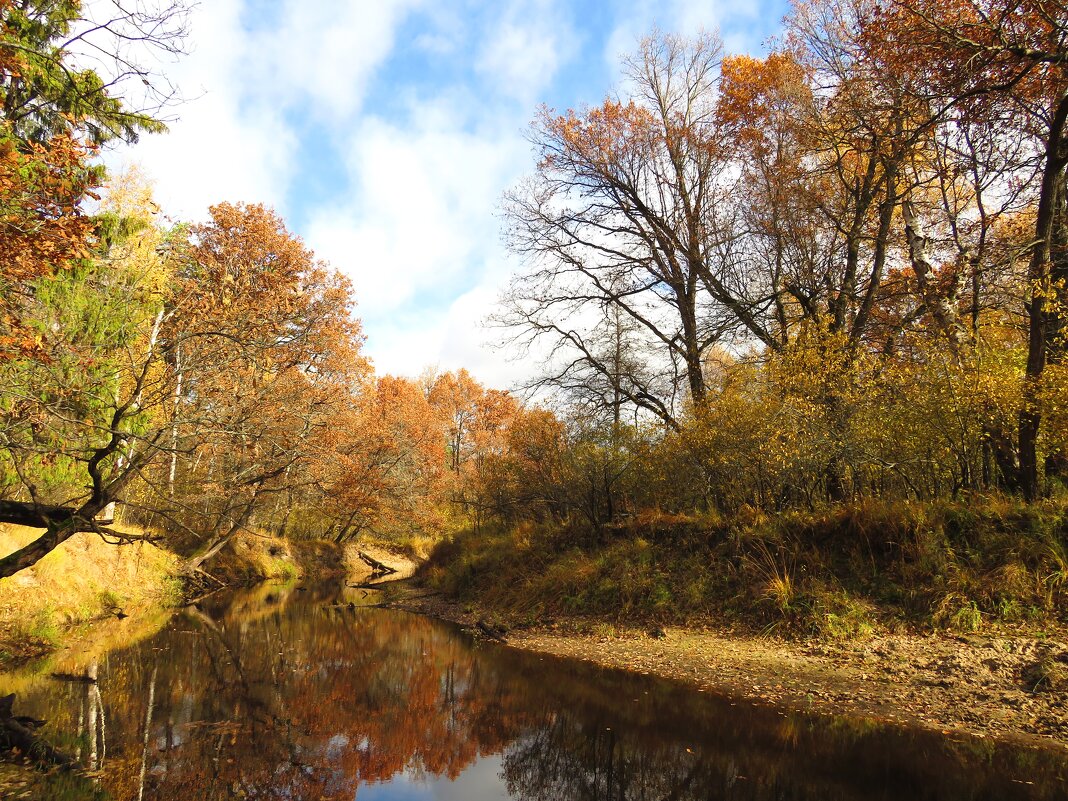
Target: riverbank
point(85, 583)
point(88, 591)
point(950, 615)
point(992, 686)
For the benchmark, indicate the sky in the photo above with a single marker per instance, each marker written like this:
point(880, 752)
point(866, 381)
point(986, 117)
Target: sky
point(386, 131)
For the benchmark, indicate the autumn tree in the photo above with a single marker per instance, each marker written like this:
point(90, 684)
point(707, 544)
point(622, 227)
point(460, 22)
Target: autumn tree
point(42, 228)
point(455, 397)
point(621, 220)
point(261, 354)
point(388, 471)
point(1001, 62)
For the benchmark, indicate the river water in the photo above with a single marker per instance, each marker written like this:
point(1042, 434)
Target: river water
point(292, 694)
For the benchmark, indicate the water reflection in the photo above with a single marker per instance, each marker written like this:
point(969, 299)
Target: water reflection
point(293, 695)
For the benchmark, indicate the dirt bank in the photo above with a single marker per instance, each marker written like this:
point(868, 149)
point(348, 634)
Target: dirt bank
point(1008, 685)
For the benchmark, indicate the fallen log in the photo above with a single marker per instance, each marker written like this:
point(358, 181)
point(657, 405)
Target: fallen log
point(379, 568)
point(493, 632)
point(19, 731)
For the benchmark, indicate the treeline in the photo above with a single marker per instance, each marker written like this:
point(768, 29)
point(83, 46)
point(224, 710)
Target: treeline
point(837, 272)
point(191, 381)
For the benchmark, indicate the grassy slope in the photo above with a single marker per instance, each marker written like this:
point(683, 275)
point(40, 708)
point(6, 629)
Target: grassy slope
point(839, 572)
point(87, 580)
point(84, 579)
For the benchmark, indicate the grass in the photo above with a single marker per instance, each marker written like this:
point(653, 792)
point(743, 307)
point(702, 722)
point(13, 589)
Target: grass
point(842, 572)
point(84, 579)
point(254, 557)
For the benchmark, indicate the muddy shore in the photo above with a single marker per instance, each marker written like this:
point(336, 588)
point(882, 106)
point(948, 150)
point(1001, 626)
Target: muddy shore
point(1003, 685)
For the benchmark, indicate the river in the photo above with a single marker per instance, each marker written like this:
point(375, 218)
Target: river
point(293, 693)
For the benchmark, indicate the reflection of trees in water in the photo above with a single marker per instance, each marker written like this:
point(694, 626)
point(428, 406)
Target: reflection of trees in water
point(92, 720)
point(569, 760)
point(308, 701)
point(309, 705)
point(573, 760)
point(607, 736)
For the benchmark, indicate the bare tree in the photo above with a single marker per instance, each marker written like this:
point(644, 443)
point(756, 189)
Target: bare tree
point(616, 226)
point(95, 67)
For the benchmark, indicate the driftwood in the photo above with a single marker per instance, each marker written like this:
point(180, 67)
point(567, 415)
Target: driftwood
point(493, 632)
point(366, 585)
point(377, 568)
point(197, 587)
point(19, 731)
point(206, 574)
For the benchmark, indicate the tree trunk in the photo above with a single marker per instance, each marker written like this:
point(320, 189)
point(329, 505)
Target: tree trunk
point(1050, 209)
point(59, 523)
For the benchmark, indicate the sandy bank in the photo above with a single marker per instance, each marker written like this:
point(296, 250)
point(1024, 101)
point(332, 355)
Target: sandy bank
point(978, 685)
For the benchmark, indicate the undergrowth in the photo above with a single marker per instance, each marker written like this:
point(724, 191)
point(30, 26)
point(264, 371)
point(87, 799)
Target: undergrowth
point(836, 573)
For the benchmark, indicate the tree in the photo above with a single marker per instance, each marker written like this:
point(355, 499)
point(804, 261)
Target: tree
point(261, 354)
point(42, 227)
point(233, 365)
point(388, 474)
point(455, 396)
point(984, 57)
point(67, 69)
point(622, 216)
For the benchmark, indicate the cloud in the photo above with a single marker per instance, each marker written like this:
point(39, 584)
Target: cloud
point(422, 229)
point(523, 51)
point(323, 55)
point(469, 342)
point(247, 79)
point(743, 24)
point(220, 148)
point(425, 196)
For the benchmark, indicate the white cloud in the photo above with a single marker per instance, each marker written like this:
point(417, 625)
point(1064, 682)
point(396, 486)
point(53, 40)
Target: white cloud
point(233, 140)
point(424, 204)
point(219, 148)
point(448, 339)
point(524, 50)
point(469, 342)
point(740, 22)
point(422, 230)
point(324, 52)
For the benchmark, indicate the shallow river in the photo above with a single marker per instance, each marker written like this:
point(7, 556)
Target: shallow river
point(287, 694)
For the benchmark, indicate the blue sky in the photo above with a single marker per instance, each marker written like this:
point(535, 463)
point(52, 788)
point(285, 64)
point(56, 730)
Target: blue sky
point(385, 132)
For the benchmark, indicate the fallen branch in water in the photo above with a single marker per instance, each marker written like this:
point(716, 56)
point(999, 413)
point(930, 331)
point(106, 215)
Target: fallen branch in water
point(19, 731)
point(493, 632)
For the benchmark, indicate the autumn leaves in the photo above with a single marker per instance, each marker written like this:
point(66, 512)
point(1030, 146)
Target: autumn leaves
point(878, 202)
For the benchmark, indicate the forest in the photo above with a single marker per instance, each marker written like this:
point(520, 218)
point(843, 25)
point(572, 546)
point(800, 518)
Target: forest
point(800, 319)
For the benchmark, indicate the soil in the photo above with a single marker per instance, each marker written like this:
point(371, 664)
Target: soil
point(1006, 685)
